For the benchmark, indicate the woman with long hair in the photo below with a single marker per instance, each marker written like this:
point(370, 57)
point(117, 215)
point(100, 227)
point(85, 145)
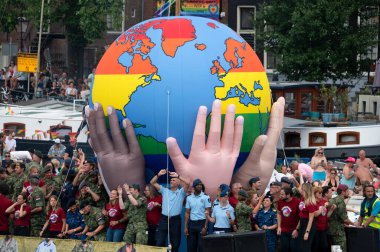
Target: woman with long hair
point(153, 213)
point(116, 216)
point(307, 207)
point(320, 243)
point(332, 180)
point(319, 163)
point(21, 211)
point(55, 219)
point(255, 202)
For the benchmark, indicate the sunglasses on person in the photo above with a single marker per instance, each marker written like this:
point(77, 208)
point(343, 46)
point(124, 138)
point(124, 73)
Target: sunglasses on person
point(7, 155)
point(333, 173)
point(320, 152)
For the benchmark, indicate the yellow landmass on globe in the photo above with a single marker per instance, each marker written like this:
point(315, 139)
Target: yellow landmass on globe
point(237, 79)
point(116, 90)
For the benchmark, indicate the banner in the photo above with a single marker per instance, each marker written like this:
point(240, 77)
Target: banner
point(202, 8)
point(27, 62)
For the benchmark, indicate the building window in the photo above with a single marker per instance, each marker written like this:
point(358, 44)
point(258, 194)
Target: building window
point(133, 12)
point(17, 128)
point(306, 103)
point(290, 104)
point(292, 139)
point(317, 139)
point(245, 28)
point(364, 103)
point(375, 108)
point(113, 26)
point(348, 137)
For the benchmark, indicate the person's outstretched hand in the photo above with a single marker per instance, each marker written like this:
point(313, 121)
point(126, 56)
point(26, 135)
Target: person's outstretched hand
point(262, 157)
point(120, 160)
point(213, 161)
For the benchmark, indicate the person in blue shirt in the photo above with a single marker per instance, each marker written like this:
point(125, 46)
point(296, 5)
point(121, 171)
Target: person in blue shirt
point(223, 214)
point(266, 219)
point(172, 202)
point(195, 219)
point(74, 221)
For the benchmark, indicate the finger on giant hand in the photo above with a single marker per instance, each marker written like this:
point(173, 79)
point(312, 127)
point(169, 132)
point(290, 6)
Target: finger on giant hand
point(101, 129)
point(228, 128)
point(176, 155)
point(275, 125)
point(199, 136)
point(238, 135)
point(133, 144)
point(94, 141)
point(118, 141)
point(257, 149)
point(213, 140)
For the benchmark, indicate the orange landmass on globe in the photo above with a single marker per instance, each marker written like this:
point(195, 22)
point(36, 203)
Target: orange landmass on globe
point(249, 60)
point(217, 68)
point(141, 66)
point(200, 47)
point(175, 33)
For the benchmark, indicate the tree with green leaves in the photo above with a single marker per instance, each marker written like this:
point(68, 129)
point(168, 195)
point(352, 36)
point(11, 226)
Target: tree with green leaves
point(318, 40)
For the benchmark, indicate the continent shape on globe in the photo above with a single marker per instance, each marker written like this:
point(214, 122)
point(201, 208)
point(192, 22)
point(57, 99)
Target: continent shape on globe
point(160, 71)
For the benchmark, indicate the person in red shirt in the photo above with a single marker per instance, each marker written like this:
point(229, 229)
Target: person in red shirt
point(288, 219)
point(307, 208)
point(153, 213)
point(4, 204)
point(320, 243)
point(55, 219)
point(117, 217)
point(21, 212)
point(33, 171)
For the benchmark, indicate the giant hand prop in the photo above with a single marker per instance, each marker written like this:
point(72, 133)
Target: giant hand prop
point(212, 161)
point(121, 160)
point(262, 157)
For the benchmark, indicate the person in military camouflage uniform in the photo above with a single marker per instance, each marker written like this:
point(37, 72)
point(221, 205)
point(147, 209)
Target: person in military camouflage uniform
point(17, 179)
point(337, 217)
point(243, 212)
point(83, 246)
point(4, 178)
point(87, 194)
point(37, 204)
point(136, 212)
point(36, 160)
point(95, 222)
point(52, 187)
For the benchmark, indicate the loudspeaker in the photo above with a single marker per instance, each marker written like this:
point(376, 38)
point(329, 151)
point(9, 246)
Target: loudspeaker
point(219, 242)
point(362, 239)
point(239, 242)
point(249, 241)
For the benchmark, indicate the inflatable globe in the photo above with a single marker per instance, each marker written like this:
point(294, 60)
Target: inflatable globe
point(160, 71)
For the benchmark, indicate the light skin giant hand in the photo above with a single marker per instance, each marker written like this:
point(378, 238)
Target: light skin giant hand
point(120, 159)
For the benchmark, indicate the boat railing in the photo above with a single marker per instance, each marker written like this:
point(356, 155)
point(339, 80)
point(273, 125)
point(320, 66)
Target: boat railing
point(18, 109)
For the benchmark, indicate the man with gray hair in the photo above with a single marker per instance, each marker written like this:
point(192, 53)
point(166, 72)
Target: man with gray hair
point(304, 169)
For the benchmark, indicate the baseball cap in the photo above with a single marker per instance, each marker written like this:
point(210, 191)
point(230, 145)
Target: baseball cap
point(275, 183)
point(57, 141)
point(224, 187)
point(286, 180)
point(243, 193)
point(254, 180)
point(38, 153)
point(342, 187)
point(196, 182)
point(223, 193)
point(135, 186)
point(350, 159)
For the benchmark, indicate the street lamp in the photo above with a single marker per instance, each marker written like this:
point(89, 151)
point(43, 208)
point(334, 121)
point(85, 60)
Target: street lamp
point(22, 29)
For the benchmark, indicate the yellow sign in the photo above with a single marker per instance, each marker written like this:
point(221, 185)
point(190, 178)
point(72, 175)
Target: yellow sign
point(27, 62)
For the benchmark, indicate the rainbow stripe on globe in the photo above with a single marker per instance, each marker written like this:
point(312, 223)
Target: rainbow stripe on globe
point(160, 71)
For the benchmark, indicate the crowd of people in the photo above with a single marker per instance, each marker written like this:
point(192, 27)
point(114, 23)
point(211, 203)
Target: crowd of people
point(302, 209)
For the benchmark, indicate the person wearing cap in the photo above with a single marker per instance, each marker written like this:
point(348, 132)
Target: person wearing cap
point(95, 222)
point(37, 157)
point(17, 179)
point(337, 218)
point(195, 222)
point(255, 184)
point(52, 185)
point(243, 212)
point(87, 194)
point(288, 220)
point(274, 192)
point(172, 200)
point(37, 204)
point(74, 221)
point(266, 220)
point(33, 171)
point(57, 150)
point(223, 215)
point(136, 206)
point(349, 178)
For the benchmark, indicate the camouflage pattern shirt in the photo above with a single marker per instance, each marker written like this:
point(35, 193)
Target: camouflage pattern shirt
point(336, 220)
point(243, 212)
point(137, 214)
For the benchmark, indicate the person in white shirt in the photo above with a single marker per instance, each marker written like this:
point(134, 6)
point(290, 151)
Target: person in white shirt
point(10, 142)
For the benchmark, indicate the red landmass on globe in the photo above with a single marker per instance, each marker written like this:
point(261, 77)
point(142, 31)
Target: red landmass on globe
point(212, 25)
